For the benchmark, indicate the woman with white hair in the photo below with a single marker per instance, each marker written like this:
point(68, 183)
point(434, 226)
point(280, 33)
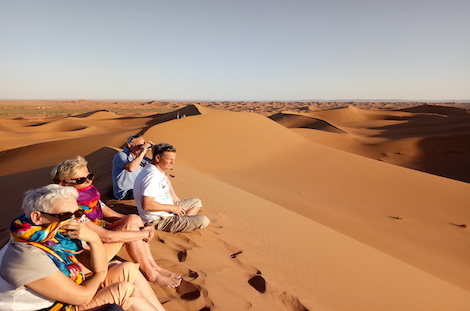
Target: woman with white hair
point(41, 268)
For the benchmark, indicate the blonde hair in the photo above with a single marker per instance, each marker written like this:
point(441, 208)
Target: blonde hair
point(63, 171)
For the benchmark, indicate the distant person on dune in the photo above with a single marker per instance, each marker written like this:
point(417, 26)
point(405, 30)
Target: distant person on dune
point(127, 164)
point(156, 200)
point(113, 228)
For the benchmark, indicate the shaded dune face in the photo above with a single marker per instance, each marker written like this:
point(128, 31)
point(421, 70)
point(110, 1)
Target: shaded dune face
point(297, 223)
point(300, 121)
point(431, 139)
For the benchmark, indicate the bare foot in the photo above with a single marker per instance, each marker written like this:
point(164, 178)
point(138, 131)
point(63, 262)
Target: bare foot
point(166, 281)
point(167, 273)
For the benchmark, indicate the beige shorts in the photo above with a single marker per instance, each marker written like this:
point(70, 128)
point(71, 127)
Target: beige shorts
point(117, 287)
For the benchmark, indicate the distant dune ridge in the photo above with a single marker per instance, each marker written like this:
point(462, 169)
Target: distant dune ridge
point(358, 207)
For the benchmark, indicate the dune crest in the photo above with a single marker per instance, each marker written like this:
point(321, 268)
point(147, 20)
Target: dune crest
point(290, 120)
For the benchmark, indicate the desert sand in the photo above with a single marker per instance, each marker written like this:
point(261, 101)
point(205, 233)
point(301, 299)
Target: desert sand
point(313, 206)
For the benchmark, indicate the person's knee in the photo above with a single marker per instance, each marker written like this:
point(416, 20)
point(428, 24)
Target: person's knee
point(204, 222)
point(134, 221)
point(122, 292)
point(124, 287)
point(122, 272)
point(135, 218)
point(128, 270)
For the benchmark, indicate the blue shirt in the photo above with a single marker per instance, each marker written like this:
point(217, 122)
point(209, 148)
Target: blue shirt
point(123, 180)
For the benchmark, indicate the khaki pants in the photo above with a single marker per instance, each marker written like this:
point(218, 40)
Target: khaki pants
point(183, 223)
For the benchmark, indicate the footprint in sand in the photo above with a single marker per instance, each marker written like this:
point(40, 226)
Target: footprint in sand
point(182, 255)
point(234, 255)
point(192, 274)
point(188, 291)
point(258, 283)
point(459, 225)
point(181, 242)
point(292, 302)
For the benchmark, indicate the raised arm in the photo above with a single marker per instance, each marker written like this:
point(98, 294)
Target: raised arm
point(69, 292)
point(131, 166)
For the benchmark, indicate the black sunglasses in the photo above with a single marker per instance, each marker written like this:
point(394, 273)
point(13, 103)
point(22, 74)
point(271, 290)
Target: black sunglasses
point(81, 180)
point(65, 216)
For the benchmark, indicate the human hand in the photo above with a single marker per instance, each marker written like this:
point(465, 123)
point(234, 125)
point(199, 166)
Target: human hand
point(78, 230)
point(178, 210)
point(151, 229)
point(146, 146)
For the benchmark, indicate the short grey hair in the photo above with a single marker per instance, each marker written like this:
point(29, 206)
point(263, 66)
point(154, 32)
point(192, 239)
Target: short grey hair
point(130, 140)
point(42, 199)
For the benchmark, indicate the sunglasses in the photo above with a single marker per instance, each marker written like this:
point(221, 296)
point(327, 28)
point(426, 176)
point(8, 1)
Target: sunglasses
point(65, 216)
point(81, 180)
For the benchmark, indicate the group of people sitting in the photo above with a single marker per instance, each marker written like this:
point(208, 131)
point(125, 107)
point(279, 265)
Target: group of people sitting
point(60, 253)
point(137, 177)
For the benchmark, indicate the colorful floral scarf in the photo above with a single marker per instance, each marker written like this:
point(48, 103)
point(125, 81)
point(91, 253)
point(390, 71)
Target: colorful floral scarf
point(89, 201)
point(59, 248)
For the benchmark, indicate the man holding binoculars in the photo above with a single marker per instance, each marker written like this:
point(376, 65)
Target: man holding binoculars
point(127, 164)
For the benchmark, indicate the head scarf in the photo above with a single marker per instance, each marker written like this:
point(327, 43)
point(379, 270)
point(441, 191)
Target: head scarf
point(59, 248)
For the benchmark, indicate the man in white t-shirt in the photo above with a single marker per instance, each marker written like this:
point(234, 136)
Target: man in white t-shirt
point(156, 200)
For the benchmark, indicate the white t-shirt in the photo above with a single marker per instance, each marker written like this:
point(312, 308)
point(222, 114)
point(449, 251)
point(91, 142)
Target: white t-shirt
point(24, 263)
point(151, 182)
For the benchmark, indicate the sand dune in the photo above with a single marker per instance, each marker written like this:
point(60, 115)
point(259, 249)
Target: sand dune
point(318, 182)
point(428, 138)
point(296, 223)
point(290, 120)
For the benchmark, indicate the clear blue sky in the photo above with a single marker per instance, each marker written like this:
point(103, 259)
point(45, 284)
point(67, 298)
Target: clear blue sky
point(235, 50)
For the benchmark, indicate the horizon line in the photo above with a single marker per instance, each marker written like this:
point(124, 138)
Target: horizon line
point(252, 100)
